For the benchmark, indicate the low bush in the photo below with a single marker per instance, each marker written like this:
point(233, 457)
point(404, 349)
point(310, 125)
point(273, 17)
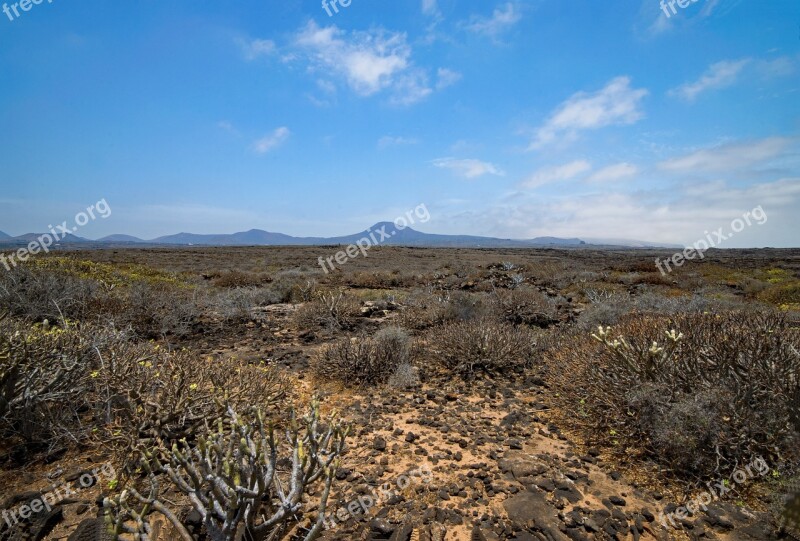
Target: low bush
point(423, 310)
point(703, 392)
point(365, 361)
point(37, 295)
point(482, 346)
point(237, 304)
point(158, 310)
point(239, 279)
point(44, 382)
point(332, 309)
point(61, 386)
point(525, 306)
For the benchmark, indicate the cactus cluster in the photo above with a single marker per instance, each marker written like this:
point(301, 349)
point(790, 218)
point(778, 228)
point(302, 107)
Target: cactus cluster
point(241, 477)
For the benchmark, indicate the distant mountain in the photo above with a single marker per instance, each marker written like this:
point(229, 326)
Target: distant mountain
point(120, 238)
point(254, 237)
point(382, 233)
point(4, 235)
point(34, 237)
point(411, 237)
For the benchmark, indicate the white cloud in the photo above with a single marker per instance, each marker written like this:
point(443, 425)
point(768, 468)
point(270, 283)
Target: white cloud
point(410, 88)
point(468, 168)
point(255, 48)
point(368, 62)
point(430, 7)
point(616, 104)
point(391, 141)
point(719, 75)
point(446, 77)
point(501, 20)
point(271, 141)
point(613, 173)
point(651, 214)
point(558, 173)
point(728, 157)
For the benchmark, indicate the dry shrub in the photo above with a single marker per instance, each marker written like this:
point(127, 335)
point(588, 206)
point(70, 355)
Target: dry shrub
point(424, 310)
point(60, 386)
point(365, 361)
point(641, 266)
point(482, 346)
point(238, 304)
point(784, 294)
point(702, 392)
point(44, 379)
point(239, 279)
point(157, 310)
point(332, 309)
point(379, 280)
point(37, 295)
point(524, 306)
point(150, 395)
point(406, 376)
point(291, 287)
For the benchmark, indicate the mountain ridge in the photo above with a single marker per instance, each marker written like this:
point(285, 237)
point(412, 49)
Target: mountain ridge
point(381, 233)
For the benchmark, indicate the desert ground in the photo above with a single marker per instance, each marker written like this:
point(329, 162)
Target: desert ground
point(434, 394)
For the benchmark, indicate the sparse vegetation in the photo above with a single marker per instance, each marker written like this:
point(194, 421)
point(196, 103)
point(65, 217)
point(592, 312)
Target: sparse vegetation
point(153, 354)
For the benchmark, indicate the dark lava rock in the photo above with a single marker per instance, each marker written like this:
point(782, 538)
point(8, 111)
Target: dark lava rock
point(616, 500)
point(530, 510)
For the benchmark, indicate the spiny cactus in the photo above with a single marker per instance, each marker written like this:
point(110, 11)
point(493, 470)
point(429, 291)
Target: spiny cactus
point(235, 480)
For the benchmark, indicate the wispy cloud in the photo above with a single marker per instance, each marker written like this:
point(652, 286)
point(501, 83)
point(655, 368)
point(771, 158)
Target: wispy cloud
point(430, 7)
point(728, 157)
point(255, 48)
point(560, 173)
point(224, 125)
point(613, 173)
point(468, 168)
point(392, 141)
point(446, 77)
point(616, 104)
point(271, 141)
point(502, 19)
point(717, 76)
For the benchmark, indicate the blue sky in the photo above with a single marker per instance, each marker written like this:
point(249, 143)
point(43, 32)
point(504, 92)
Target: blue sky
point(512, 119)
